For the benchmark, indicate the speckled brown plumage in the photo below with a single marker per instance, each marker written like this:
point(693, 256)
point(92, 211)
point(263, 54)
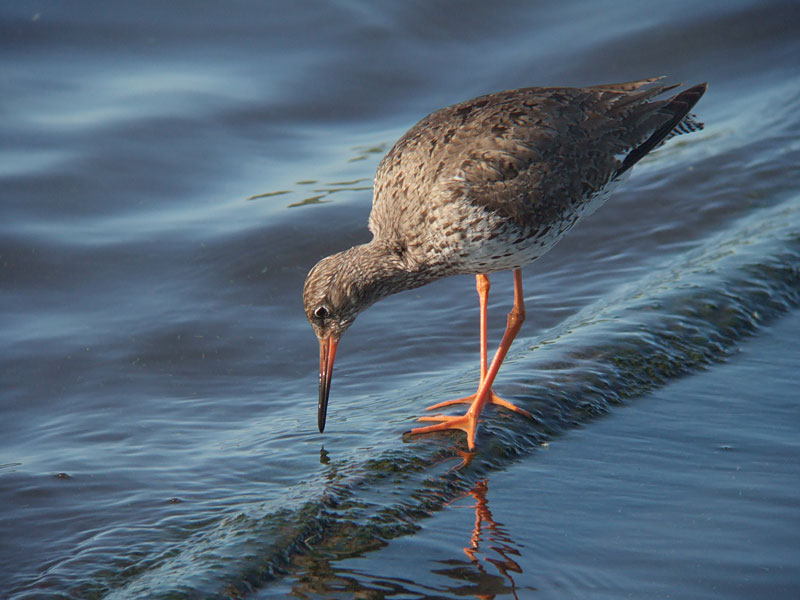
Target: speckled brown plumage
point(488, 185)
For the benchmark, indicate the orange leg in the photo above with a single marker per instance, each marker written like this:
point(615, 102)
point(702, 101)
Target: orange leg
point(483, 286)
point(468, 422)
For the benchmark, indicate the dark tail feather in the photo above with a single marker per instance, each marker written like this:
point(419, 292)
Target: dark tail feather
point(680, 122)
point(688, 125)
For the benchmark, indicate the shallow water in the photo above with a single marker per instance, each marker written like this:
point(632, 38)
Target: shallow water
point(690, 490)
point(169, 175)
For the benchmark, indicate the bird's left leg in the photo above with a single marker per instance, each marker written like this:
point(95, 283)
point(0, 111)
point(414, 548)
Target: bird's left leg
point(483, 286)
point(468, 422)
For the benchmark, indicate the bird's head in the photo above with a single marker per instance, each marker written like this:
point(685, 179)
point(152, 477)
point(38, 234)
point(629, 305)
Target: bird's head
point(338, 288)
point(332, 300)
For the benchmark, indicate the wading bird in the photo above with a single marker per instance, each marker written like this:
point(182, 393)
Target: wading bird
point(488, 185)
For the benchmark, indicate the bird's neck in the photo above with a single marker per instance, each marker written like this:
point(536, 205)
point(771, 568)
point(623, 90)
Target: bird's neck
point(380, 268)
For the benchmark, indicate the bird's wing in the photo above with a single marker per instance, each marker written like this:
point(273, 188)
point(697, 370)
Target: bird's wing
point(530, 153)
point(555, 148)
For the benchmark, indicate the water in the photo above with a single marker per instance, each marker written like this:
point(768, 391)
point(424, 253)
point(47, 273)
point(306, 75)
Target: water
point(170, 173)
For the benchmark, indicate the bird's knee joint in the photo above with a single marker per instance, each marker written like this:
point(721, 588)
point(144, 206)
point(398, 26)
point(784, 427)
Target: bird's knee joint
point(482, 284)
point(516, 317)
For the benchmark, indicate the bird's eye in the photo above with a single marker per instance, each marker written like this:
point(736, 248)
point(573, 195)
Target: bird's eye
point(320, 313)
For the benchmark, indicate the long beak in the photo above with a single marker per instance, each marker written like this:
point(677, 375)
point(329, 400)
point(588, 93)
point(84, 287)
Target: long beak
point(327, 352)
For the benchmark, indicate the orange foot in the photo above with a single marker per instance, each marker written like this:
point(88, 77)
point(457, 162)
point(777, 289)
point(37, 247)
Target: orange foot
point(466, 423)
point(493, 399)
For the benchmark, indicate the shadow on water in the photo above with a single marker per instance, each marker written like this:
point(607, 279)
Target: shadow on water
point(679, 319)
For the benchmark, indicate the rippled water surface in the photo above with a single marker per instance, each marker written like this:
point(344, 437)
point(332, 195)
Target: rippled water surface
point(170, 172)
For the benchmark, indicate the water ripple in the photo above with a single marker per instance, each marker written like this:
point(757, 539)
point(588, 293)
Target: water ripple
point(689, 314)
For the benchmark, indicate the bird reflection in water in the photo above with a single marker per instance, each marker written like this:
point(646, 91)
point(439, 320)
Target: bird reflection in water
point(490, 539)
point(492, 556)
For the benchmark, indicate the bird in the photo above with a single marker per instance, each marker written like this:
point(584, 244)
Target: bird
point(488, 185)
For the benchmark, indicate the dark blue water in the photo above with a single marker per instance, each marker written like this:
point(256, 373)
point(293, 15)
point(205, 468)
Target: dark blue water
point(169, 174)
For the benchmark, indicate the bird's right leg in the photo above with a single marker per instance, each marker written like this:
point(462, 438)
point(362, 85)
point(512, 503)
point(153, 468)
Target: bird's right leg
point(483, 286)
point(468, 422)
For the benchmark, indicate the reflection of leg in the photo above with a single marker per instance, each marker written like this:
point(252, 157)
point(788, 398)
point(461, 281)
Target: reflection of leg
point(481, 513)
point(500, 541)
point(468, 422)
